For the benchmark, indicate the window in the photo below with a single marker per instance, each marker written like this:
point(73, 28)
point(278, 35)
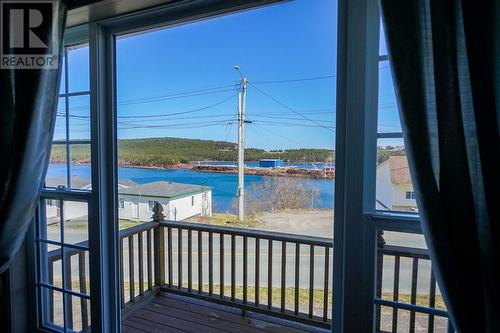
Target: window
point(291, 118)
point(122, 203)
point(404, 276)
point(151, 205)
point(177, 124)
point(70, 156)
point(62, 232)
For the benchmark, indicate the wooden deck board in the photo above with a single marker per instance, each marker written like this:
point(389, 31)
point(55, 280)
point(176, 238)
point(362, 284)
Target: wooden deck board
point(174, 314)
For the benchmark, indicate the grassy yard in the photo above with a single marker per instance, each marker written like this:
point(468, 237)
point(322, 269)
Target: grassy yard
point(226, 220)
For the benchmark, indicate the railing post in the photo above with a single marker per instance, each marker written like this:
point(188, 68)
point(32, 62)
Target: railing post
point(380, 269)
point(159, 245)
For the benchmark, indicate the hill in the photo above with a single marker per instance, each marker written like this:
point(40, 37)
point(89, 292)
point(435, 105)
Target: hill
point(158, 152)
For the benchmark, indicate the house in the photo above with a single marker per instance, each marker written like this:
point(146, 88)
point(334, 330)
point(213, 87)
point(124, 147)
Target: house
point(270, 163)
point(394, 186)
point(73, 209)
point(179, 201)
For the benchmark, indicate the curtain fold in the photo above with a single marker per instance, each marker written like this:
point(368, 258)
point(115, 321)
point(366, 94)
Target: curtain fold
point(28, 105)
point(445, 61)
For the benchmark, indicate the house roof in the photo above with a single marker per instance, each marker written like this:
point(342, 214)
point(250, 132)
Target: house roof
point(84, 183)
point(164, 189)
point(400, 172)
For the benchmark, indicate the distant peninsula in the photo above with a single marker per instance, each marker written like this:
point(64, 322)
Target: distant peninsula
point(169, 152)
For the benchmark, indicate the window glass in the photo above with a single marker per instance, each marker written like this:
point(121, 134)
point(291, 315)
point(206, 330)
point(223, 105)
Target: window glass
point(394, 186)
point(70, 154)
point(78, 69)
point(62, 229)
point(178, 124)
point(178, 137)
point(79, 117)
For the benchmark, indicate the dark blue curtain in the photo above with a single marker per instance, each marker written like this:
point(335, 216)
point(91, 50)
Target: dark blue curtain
point(28, 103)
point(445, 60)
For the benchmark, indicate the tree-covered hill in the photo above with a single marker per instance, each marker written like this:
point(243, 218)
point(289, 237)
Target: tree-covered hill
point(171, 151)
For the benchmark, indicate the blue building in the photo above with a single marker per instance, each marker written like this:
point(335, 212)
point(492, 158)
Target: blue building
point(270, 163)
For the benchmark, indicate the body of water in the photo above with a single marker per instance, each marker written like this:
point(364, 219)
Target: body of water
point(223, 185)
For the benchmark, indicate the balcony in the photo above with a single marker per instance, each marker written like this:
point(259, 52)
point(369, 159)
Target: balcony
point(190, 274)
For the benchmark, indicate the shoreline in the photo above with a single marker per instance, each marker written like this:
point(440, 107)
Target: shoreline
point(270, 172)
point(291, 172)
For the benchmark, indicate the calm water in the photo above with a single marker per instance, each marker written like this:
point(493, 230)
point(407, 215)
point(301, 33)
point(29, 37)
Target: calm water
point(224, 185)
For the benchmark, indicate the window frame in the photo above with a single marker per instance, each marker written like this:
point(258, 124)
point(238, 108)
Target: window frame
point(73, 37)
point(357, 222)
point(355, 214)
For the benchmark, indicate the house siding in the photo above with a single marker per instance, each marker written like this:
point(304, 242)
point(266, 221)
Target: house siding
point(177, 209)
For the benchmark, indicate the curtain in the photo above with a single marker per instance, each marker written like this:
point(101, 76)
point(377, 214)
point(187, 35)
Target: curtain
point(445, 63)
point(28, 104)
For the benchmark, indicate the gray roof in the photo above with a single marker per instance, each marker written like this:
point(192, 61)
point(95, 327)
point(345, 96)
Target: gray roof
point(164, 189)
point(83, 183)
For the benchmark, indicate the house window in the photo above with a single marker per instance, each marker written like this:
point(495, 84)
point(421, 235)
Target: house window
point(151, 205)
point(410, 195)
point(122, 203)
point(192, 200)
point(62, 247)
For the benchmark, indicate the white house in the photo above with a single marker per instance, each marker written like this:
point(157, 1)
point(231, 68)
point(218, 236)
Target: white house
point(179, 201)
point(72, 209)
point(394, 186)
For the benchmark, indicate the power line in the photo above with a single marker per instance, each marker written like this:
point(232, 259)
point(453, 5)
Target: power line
point(289, 118)
point(185, 92)
point(182, 112)
point(281, 136)
point(214, 122)
point(175, 97)
point(179, 118)
point(288, 108)
point(296, 80)
point(310, 111)
point(160, 115)
point(193, 93)
point(277, 123)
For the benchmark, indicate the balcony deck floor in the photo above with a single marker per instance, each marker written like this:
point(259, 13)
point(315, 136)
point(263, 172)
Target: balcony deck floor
point(173, 313)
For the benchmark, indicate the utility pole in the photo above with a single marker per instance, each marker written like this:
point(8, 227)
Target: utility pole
point(241, 145)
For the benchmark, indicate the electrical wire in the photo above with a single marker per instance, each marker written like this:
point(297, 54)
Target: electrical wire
point(296, 80)
point(289, 108)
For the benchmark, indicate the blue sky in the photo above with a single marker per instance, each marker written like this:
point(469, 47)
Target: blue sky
point(180, 82)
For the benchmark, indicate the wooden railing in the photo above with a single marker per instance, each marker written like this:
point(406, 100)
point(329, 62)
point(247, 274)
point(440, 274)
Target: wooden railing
point(282, 275)
point(392, 299)
point(305, 281)
point(140, 269)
